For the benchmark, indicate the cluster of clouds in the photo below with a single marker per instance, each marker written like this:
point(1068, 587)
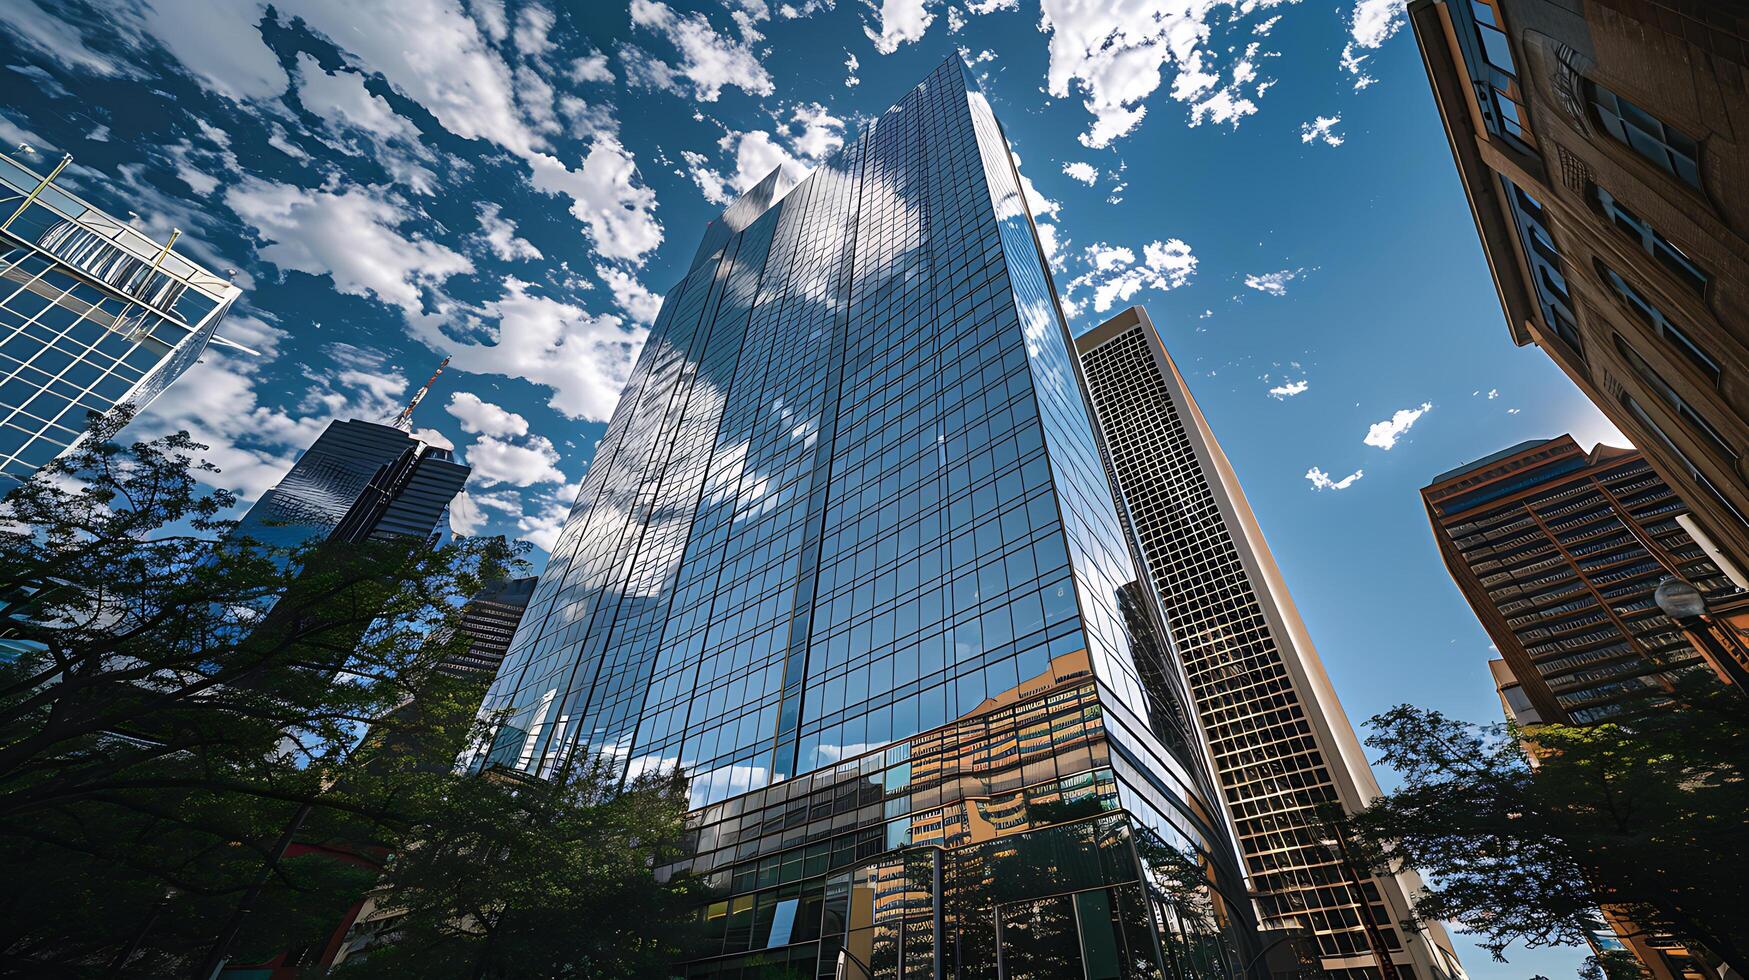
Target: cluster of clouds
point(512, 80)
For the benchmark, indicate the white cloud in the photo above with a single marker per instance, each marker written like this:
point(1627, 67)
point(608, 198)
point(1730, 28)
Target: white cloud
point(1322, 128)
point(629, 294)
point(901, 22)
point(351, 234)
point(341, 100)
point(1273, 283)
point(850, 67)
point(1084, 172)
point(592, 67)
point(1370, 24)
point(1322, 481)
point(814, 132)
point(1116, 275)
point(991, 6)
point(810, 136)
point(709, 61)
point(617, 210)
point(533, 34)
point(1493, 393)
point(1290, 388)
point(500, 235)
point(542, 526)
point(31, 26)
point(484, 418)
point(584, 358)
point(1385, 434)
point(219, 43)
point(497, 461)
point(1113, 55)
point(348, 109)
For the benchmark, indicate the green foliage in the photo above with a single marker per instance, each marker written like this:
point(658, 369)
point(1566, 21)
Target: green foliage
point(158, 731)
point(513, 877)
point(1644, 814)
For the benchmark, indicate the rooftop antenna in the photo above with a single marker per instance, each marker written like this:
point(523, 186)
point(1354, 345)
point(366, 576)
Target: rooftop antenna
point(404, 421)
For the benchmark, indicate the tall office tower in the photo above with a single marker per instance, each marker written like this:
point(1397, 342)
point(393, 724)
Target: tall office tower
point(1558, 551)
point(847, 555)
point(93, 315)
point(489, 621)
point(1601, 146)
point(358, 481)
point(1283, 749)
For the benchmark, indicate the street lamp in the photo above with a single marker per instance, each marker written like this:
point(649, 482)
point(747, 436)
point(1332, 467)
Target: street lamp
point(1685, 604)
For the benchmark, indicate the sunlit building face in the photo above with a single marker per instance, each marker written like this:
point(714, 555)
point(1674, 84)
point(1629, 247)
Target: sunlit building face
point(848, 557)
point(93, 315)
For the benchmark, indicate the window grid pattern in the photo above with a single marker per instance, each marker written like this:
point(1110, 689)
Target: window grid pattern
point(86, 323)
point(851, 496)
point(1568, 570)
point(1268, 760)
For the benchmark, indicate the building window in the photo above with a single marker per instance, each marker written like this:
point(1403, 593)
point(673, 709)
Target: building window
point(1682, 459)
point(1656, 245)
point(1661, 325)
point(1674, 401)
point(1567, 330)
point(1674, 152)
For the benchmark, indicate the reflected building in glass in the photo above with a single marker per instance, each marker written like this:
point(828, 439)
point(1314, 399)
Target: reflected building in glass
point(1282, 746)
point(847, 555)
point(93, 315)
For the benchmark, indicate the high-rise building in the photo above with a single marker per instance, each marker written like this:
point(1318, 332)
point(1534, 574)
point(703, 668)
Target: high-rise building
point(1558, 551)
point(489, 621)
point(847, 555)
point(1601, 147)
point(93, 315)
point(1283, 749)
point(358, 481)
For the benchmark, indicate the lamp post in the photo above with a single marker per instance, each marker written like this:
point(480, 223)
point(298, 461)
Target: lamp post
point(1685, 604)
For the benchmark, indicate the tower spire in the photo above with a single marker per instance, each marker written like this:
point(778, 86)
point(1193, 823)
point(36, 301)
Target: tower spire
point(404, 421)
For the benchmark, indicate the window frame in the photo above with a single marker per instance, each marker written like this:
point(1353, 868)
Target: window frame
point(1606, 107)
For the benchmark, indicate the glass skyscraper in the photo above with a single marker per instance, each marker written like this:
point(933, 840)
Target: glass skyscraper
point(847, 554)
point(93, 314)
point(358, 481)
point(1282, 746)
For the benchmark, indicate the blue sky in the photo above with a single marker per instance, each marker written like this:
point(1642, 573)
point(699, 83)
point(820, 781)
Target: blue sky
point(514, 185)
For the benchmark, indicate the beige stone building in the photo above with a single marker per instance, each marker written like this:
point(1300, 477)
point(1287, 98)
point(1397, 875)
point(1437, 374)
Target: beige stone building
point(1602, 147)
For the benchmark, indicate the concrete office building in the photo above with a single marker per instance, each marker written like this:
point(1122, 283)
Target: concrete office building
point(1601, 144)
point(1282, 746)
point(94, 314)
point(848, 555)
point(1558, 551)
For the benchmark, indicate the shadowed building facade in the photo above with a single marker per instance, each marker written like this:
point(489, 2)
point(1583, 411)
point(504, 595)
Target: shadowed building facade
point(1558, 551)
point(358, 481)
point(847, 555)
point(93, 315)
point(1601, 145)
point(1282, 746)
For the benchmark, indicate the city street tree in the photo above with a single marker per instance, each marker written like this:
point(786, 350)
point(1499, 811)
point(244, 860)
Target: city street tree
point(514, 877)
point(170, 704)
point(1523, 835)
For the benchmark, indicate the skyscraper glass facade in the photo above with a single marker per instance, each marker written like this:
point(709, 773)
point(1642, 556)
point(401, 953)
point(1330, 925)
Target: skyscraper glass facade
point(359, 480)
point(93, 314)
point(847, 555)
